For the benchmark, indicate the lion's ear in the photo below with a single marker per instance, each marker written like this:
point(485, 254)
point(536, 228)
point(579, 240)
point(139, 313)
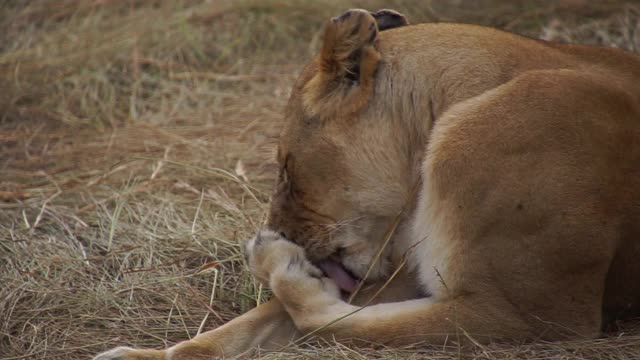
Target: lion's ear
point(389, 19)
point(345, 68)
point(347, 44)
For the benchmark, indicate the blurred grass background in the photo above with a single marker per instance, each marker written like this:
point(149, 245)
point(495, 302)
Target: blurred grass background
point(136, 141)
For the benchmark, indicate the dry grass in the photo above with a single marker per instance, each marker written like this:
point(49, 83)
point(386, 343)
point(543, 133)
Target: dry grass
point(135, 156)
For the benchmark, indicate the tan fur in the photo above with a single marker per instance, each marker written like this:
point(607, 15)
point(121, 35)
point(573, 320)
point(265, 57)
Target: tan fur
point(526, 155)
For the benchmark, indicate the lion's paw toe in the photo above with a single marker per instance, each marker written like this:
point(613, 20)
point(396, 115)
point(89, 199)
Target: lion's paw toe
point(356, 27)
point(118, 353)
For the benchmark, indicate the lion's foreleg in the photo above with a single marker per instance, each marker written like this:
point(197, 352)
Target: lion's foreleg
point(455, 320)
point(316, 308)
point(268, 326)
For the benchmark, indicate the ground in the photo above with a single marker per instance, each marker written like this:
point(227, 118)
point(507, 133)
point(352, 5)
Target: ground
point(136, 155)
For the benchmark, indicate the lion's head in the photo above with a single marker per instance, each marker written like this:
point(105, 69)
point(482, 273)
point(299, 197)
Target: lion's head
point(345, 164)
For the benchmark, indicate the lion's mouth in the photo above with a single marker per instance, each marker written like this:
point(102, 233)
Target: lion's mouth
point(344, 278)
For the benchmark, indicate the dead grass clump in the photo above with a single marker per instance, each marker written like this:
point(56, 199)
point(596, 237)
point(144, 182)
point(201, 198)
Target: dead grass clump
point(135, 142)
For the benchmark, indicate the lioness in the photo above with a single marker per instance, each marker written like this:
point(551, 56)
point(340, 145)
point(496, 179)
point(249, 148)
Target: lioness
point(508, 168)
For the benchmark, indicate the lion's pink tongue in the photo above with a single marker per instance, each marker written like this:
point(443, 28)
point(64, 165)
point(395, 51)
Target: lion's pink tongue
point(337, 273)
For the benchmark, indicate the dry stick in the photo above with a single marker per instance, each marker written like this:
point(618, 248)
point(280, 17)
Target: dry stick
point(46, 202)
point(190, 75)
point(456, 322)
point(387, 239)
point(393, 275)
point(211, 297)
point(455, 310)
point(40, 220)
point(195, 217)
point(139, 187)
point(181, 139)
point(219, 172)
point(373, 297)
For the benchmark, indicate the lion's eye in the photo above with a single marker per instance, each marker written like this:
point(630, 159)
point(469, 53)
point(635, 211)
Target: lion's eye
point(284, 176)
point(292, 192)
point(286, 168)
point(287, 178)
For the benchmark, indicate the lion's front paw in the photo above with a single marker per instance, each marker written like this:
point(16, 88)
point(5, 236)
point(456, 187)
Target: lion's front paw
point(119, 353)
point(268, 253)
